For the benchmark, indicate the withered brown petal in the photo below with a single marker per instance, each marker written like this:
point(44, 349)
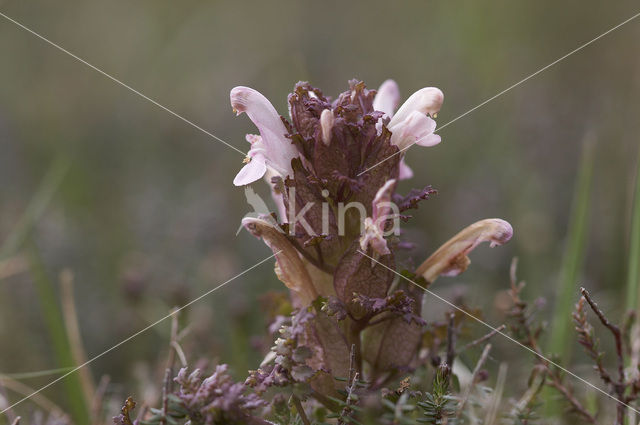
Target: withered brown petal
point(451, 258)
point(290, 268)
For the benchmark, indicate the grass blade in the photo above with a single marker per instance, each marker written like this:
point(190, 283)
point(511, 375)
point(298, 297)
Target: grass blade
point(633, 270)
point(573, 256)
point(77, 402)
point(36, 207)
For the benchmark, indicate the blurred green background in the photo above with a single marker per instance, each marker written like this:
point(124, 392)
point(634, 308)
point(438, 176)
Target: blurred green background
point(146, 213)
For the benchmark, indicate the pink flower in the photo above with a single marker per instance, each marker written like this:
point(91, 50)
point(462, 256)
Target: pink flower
point(374, 226)
point(269, 150)
point(412, 123)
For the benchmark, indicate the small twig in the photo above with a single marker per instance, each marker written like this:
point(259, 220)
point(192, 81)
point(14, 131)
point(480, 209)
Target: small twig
point(619, 387)
point(16, 421)
point(536, 383)
point(346, 411)
point(4, 402)
point(483, 339)
point(613, 328)
point(352, 360)
point(98, 398)
point(451, 341)
point(351, 385)
point(13, 266)
point(575, 404)
point(37, 398)
point(167, 381)
point(70, 317)
point(180, 352)
point(298, 404)
point(529, 338)
point(492, 411)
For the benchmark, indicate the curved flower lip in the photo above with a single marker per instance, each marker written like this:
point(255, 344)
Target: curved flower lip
point(252, 171)
point(451, 258)
point(273, 149)
point(388, 98)
point(417, 128)
point(426, 101)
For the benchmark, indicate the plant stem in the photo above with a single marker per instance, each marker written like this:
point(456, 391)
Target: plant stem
point(298, 404)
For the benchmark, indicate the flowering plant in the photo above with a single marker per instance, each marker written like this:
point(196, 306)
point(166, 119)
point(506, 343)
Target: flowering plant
point(333, 171)
point(352, 344)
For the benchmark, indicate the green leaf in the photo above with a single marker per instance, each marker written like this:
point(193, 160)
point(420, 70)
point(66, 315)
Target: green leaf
point(633, 270)
point(574, 255)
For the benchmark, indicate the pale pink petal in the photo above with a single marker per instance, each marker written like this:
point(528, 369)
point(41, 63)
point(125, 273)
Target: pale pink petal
point(278, 150)
point(430, 140)
point(326, 124)
point(373, 237)
point(381, 201)
point(252, 171)
point(405, 171)
point(416, 128)
point(387, 98)
point(259, 110)
point(254, 139)
point(426, 101)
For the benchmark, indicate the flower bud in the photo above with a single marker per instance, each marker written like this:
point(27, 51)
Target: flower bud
point(326, 124)
point(387, 98)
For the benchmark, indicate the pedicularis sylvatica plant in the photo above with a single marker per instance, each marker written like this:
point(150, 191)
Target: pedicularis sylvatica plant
point(333, 170)
point(350, 343)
